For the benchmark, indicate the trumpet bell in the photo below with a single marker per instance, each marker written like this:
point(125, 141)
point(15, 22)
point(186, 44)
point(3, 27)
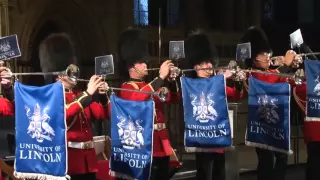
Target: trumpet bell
point(176, 71)
point(299, 77)
point(163, 94)
point(73, 73)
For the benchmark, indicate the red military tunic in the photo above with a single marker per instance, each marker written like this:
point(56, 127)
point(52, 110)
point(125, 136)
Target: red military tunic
point(311, 128)
point(81, 110)
point(161, 143)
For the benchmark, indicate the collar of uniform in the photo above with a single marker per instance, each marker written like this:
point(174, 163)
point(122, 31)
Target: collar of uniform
point(136, 80)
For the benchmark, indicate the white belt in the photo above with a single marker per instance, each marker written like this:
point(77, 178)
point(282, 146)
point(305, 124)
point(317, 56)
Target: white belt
point(159, 126)
point(81, 145)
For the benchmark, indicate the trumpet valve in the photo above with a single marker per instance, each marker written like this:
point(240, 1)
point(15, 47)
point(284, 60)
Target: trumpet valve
point(232, 66)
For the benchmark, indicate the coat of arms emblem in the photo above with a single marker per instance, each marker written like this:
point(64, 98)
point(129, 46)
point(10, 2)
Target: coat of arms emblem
point(316, 89)
point(203, 109)
point(5, 46)
point(104, 64)
point(130, 133)
point(39, 127)
point(267, 109)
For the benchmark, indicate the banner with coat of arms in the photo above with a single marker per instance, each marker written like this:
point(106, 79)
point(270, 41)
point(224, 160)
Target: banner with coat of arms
point(41, 143)
point(131, 138)
point(312, 69)
point(207, 124)
point(269, 116)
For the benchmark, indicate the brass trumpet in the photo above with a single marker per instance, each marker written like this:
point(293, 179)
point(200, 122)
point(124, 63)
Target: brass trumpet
point(162, 94)
point(277, 60)
point(298, 77)
point(175, 71)
point(72, 72)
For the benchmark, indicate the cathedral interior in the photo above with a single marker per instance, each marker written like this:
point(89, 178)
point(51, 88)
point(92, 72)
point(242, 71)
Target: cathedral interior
point(96, 25)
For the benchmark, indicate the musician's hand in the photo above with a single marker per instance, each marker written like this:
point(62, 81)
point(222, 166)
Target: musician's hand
point(165, 69)
point(94, 83)
point(227, 74)
point(289, 57)
point(5, 74)
point(104, 88)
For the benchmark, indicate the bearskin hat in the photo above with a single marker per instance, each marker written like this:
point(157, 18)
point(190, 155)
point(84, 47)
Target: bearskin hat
point(56, 53)
point(133, 47)
point(200, 48)
point(258, 40)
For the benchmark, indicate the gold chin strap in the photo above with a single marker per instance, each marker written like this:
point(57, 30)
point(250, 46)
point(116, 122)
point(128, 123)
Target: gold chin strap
point(138, 71)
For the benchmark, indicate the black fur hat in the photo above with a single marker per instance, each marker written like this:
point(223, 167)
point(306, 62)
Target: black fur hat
point(259, 42)
point(56, 53)
point(133, 47)
point(200, 48)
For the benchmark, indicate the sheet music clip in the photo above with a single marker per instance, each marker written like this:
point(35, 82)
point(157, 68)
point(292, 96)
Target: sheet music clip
point(296, 39)
point(9, 47)
point(176, 50)
point(104, 65)
point(243, 51)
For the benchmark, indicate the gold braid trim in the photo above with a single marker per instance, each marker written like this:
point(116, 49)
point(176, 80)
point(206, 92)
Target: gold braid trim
point(149, 85)
point(298, 100)
point(133, 84)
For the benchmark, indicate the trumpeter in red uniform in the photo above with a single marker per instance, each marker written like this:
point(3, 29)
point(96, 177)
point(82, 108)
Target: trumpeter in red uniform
point(200, 53)
point(56, 52)
point(7, 97)
point(271, 165)
point(133, 53)
point(311, 135)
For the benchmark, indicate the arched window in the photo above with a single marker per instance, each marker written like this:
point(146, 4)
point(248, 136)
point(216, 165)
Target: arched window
point(146, 12)
point(141, 12)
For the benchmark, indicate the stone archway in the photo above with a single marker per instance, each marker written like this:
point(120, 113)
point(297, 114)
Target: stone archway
point(86, 29)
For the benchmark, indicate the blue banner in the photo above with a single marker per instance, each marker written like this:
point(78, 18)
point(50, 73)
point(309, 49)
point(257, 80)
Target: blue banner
point(9, 47)
point(207, 125)
point(41, 144)
point(312, 69)
point(131, 138)
point(269, 116)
